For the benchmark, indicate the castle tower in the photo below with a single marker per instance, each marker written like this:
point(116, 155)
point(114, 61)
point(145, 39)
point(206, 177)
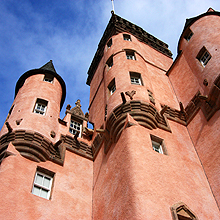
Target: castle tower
point(45, 167)
point(147, 163)
point(197, 86)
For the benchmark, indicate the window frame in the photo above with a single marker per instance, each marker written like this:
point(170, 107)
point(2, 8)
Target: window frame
point(127, 37)
point(112, 87)
point(78, 124)
point(130, 55)
point(135, 75)
point(48, 78)
point(203, 59)
point(38, 105)
point(188, 34)
point(158, 145)
point(110, 62)
point(45, 174)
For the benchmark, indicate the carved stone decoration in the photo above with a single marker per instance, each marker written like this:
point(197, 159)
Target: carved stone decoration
point(182, 211)
point(151, 97)
point(68, 107)
point(142, 112)
point(130, 94)
point(77, 110)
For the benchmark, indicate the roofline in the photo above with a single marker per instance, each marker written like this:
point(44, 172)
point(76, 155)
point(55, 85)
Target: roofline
point(32, 72)
point(118, 25)
point(191, 21)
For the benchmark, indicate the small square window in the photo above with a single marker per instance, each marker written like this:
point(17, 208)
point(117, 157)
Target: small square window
point(40, 106)
point(109, 44)
point(158, 145)
point(204, 56)
point(112, 87)
point(127, 37)
point(48, 78)
point(135, 78)
point(110, 62)
point(43, 183)
point(130, 55)
point(188, 35)
point(75, 127)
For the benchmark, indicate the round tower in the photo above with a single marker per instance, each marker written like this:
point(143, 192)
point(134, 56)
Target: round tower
point(199, 46)
point(32, 122)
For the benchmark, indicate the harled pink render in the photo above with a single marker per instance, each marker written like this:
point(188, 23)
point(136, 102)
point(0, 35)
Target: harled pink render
point(115, 171)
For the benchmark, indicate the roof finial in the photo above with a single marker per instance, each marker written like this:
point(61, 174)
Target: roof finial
point(113, 9)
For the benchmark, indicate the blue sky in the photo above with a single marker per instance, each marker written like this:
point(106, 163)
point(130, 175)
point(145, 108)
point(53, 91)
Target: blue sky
point(68, 32)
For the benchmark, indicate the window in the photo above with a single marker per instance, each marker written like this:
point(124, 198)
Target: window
point(188, 35)
point(43, 183)
point(110, 62)
point(75, 127)
point(158, 145)
point(109, 44)
point(204, 56)
point(40, 106)
point(127, 37)
point(135, 78)
point(130, 55)
point(112, 87)
point(48, 78)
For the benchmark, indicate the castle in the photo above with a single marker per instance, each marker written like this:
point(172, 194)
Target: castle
point(153, 150)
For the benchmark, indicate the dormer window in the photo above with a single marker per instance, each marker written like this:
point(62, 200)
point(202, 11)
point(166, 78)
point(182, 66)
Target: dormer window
point(130, 55)
point(112, 87)
point(48, 78)
point(75, 127)
point(127, 37)
point(109, 44)
point(40, 106)
point(188, 35)
point(204, 56)
point(110, 62)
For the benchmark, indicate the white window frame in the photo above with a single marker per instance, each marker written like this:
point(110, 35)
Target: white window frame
point(127, 37)
point(48, 78)
point(157, 147)
point(78, 127)
point(41, 185)
point(135, 78)
point(112, 89)
point(206, 56)
point(130, 55)
point(110, 62)
point(40, 107)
